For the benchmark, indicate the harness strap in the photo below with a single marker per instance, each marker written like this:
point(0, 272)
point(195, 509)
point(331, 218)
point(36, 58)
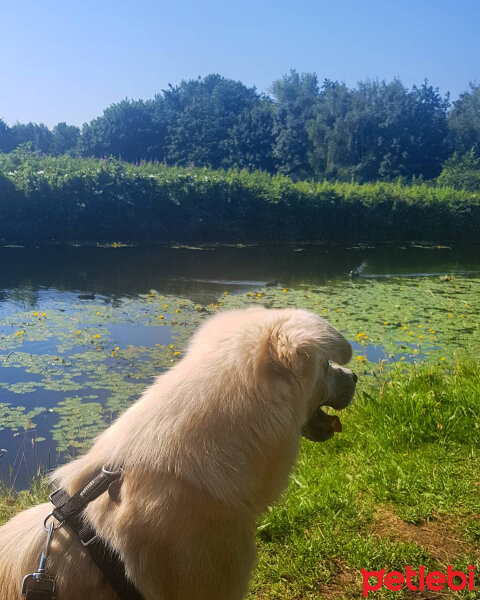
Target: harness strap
point(38, 595)
point(70, 511)
point(67, 507)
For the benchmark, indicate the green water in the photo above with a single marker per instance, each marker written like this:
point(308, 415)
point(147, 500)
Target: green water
point(83, 330)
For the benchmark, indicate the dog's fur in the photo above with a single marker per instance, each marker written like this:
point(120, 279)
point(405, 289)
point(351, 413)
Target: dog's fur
point(206, 449)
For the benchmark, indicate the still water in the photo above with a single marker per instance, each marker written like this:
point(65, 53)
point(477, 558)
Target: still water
point(84, 329)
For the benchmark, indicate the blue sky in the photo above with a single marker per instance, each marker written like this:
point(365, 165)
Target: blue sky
point(67, 61)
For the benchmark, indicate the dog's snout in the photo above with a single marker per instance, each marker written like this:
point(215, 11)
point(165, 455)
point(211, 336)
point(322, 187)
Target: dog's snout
point(355, 378)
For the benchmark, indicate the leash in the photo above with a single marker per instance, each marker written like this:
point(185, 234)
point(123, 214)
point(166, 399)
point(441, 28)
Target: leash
point(68, 511)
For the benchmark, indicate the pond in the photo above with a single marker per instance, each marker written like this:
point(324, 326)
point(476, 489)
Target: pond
point(84, 329)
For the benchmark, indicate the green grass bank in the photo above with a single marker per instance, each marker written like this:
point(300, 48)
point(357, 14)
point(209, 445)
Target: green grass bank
point(62, 199)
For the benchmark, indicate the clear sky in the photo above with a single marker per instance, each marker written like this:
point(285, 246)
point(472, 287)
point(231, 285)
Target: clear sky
point(68, 60)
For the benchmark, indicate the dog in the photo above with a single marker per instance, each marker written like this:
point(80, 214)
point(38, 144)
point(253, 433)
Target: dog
point(206, 449)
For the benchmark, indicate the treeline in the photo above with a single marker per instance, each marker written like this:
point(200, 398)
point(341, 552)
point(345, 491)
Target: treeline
point(375, 131)
point(66, 199)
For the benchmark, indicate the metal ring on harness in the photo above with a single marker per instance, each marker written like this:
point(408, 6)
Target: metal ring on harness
point(119, 471)
point(54, 527)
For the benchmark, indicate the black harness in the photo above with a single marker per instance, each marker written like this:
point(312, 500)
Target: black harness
point(69, 511)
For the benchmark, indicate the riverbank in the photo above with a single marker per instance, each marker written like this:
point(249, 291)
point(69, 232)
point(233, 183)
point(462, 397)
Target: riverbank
point(65, 199)
point(398, 487)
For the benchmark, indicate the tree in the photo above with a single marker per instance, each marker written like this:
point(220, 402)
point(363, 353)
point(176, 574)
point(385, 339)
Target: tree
point(461, 172)
point(128, 130)
point(250, 140)
point(464, 121)
point(201, 115)
point(6, 142)
point(39, 136)
point(65, 138)
point(295, 96)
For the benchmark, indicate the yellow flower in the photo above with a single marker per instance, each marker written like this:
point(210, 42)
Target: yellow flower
point(402, 358)
point(385, 322)
point(359, 357)
point(176, 310)
point(410, 333)
point(443, 358)
point(450, 315)
point(171, 346)
point(419, 325)
point(325, 309)
point(117, 348)
point(284, 290)
point(35, 314)
point(421, 337)
point(96, 336)
point(176, 353)
point(43, 314)
point(165, 306)
point(161, 317)
point(225, 293)
point(259, 295)
point(404, 328)
point(152, 295)
point(420, 286)
point(79, 331)
point(220, 304)
point(98, 312)
point(250, 293)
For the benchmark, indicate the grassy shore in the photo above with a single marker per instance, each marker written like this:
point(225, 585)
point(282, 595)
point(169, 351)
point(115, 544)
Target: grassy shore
point(400, 486)
point(67, 199)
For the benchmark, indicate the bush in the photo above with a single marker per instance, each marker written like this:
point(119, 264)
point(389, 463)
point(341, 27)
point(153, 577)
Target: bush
point(66, 199)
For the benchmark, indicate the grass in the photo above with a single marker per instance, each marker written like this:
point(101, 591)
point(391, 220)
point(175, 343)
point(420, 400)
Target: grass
point(400, 486)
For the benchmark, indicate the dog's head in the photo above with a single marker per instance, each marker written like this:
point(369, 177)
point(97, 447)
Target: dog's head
point(307, 346)
point(287, 348)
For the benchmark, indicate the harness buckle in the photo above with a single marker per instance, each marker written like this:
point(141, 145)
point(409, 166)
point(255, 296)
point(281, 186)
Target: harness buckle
point(90, 541)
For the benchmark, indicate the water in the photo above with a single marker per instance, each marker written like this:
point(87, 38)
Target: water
point(84, 329)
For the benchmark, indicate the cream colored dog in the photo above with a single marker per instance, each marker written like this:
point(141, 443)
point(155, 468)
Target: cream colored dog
point(206, 449)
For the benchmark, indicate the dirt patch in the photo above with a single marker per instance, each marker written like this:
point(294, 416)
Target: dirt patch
point(344, 584)
point(440, 536)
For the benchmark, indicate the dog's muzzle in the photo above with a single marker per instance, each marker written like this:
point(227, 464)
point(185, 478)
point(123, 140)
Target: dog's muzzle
point(322, 426)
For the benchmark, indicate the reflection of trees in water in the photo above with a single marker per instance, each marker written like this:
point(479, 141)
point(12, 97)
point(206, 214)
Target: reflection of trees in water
point(200, 273)
point(25, 294)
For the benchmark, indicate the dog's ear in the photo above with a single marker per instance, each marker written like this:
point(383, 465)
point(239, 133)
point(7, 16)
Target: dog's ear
point(295, 340)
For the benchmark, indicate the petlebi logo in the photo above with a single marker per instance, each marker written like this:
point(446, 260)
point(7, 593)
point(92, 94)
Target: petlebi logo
point(418, 580)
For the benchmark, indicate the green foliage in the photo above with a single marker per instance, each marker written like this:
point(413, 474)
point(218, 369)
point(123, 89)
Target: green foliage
point(375, 131)
point(130, 130)
point(64, 199)
point(464, 121)
point(461, 172)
